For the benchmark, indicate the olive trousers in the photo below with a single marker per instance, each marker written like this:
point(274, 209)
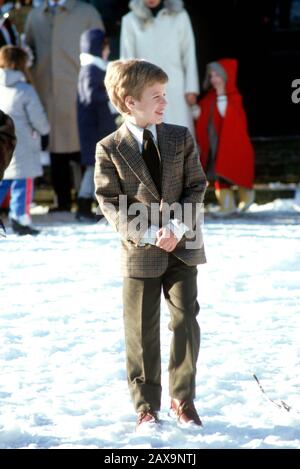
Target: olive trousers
point(141, 300)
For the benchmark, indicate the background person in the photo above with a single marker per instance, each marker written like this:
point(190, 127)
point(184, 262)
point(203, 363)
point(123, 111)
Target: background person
point(7, 145)
point(160, 31)
point(53, 32)
point(95, 118)
point(19, 99)
point(226, 151)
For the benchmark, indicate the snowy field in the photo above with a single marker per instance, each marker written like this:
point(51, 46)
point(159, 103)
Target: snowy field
point(63, 382)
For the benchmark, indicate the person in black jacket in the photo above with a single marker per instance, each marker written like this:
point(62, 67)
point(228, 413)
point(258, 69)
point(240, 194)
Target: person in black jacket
point(7, 146)
point(94, 114)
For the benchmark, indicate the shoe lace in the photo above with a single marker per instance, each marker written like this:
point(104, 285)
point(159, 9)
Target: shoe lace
point(187, 408)
point(144, 413)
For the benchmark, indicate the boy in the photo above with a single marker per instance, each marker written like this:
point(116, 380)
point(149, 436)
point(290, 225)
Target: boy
point(153, 165)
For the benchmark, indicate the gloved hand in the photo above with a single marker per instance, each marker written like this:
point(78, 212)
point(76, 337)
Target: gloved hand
point(44, 142)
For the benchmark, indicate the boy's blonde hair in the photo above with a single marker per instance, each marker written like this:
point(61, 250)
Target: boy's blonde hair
point(15, 58)
point(130, 78)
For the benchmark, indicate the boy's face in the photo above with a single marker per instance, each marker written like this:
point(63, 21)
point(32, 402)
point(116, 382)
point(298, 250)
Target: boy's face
point(151, 106)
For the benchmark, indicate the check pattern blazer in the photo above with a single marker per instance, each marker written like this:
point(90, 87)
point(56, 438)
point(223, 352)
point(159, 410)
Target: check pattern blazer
point(120, 170)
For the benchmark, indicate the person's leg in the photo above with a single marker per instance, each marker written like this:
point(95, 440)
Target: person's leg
point(4, 205)
point(141, 297)
point(180, 290)
point(86, 196)
point(4, 189)
point(225, 197)
point(87, 186)
point(61, 179)
point(246, 198)
point(21, 197)
point(76, 171)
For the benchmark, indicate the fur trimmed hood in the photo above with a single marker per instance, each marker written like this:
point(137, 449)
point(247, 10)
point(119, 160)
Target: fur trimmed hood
point(139, 8)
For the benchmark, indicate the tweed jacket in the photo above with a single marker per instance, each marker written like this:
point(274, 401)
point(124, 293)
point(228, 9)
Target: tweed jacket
point(121, 171)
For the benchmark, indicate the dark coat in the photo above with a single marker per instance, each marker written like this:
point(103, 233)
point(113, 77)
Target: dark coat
point(95, 120)
point(7, 141)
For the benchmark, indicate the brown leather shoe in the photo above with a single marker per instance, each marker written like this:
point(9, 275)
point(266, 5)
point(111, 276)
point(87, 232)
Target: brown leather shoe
point(147, 416)
point(185, 412)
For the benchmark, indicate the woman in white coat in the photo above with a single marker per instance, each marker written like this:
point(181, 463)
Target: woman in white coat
point(160, 32)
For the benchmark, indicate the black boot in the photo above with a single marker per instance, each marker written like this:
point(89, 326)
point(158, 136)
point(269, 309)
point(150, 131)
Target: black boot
point(84, 210)
point(2, 229)
point(23, 230)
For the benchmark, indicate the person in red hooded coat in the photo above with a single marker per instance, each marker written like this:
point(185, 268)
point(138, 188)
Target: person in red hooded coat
point(227, 154)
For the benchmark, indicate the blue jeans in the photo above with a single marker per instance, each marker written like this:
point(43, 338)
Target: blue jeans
point(21, 191)
point(87, 186)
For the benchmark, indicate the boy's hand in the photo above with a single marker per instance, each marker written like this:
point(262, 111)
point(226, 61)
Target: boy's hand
point(166, 240)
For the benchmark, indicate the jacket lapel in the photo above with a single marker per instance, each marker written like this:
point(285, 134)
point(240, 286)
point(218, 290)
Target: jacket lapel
point(167, 148)
point(129, 151)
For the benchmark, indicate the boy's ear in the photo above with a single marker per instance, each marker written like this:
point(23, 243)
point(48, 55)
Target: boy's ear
point(130, 102)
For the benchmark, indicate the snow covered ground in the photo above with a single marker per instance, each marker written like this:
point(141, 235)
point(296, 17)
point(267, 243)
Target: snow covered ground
point(63, 382)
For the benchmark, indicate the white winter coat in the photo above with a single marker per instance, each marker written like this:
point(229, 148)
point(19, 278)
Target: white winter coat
point(20, 101)
point(168, 41)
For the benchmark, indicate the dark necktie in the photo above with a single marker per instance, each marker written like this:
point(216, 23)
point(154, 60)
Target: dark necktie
point(151, 157)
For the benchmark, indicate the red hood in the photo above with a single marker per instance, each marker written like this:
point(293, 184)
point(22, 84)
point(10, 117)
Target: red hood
point(229, 70)
point(230, 67)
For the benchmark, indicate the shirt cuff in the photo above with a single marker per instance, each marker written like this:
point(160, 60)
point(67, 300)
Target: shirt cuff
point(149, 236)
point(177, 227)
